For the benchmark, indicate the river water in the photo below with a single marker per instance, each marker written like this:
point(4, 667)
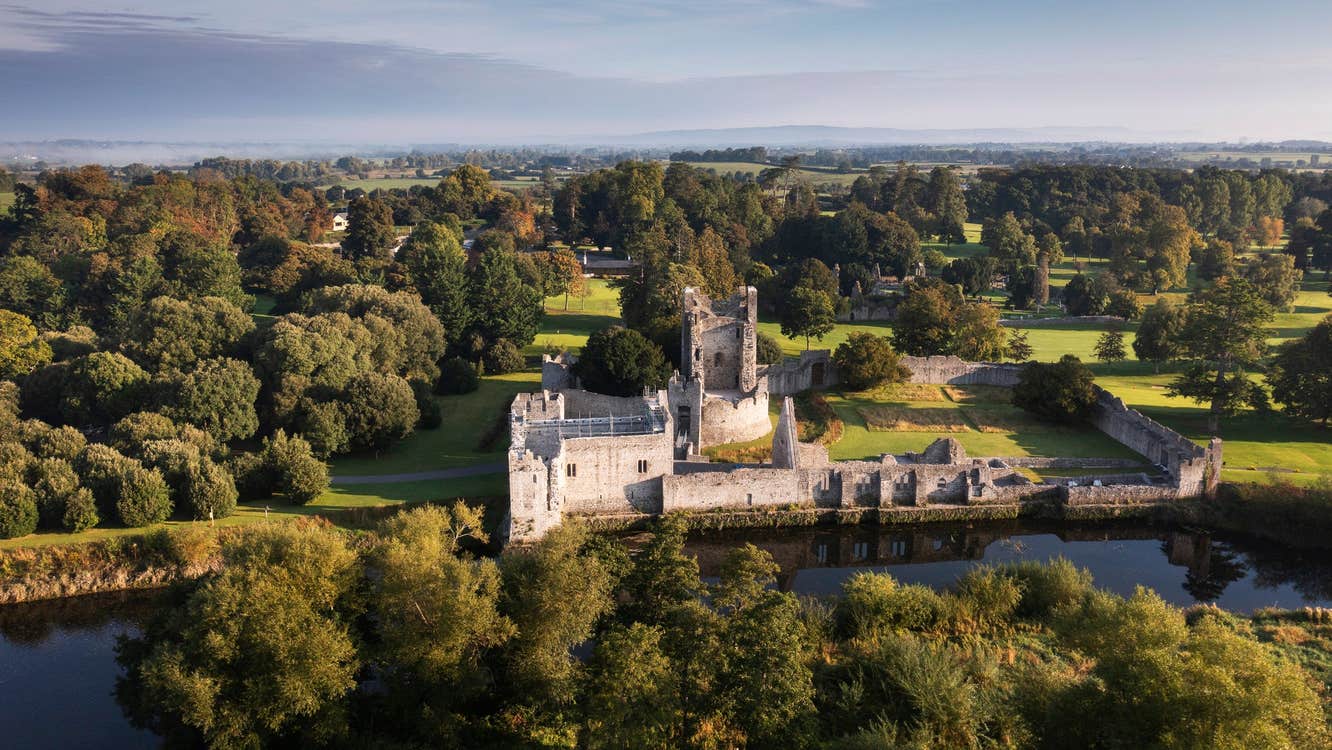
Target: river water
point(58, 668)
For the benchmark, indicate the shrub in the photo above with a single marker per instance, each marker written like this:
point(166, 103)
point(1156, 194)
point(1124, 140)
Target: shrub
point(251, 474)
point(18, 510)
point(80, 511)
point(143, 496)
point(874, 604)
point(503, 357)
point(53, 481)
point(425, 403)
point(295, 471)
point(1048, 587)
point(769, 352)
point(457, 375)
point(984, 599)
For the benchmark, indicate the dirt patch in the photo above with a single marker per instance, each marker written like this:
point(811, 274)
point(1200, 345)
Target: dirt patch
point(978, 394)
point(880, 417)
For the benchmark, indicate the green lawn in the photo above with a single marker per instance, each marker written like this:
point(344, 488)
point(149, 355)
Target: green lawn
point(467, 419)
point(6, 200)
point(561, 329)
point(860, 441)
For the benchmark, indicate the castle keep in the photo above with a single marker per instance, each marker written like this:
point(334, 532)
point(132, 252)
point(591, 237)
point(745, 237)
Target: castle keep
point(580, 453)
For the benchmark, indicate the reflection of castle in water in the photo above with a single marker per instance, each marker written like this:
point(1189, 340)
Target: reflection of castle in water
point(875, 546)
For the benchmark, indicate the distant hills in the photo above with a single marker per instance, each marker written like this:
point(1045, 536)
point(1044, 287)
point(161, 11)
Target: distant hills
point(829, 136)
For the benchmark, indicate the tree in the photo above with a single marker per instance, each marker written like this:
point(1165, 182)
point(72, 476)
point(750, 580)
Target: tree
point(100, 388)
point(404, 337)
point(621, 362)
point(1276, 278)
point(974, 274)
point(1216, 259)
point(438, 611)
point(925, 319)
point(1224, 331)
point(1301, 374)
point(808, 313)
point(370, 233)
point(563, 274)
point(1110, 346)
point(503, 306)
point(631, 698)
point(1088, 295)
point(554, 596)
point(977, 336)
point(196, 483)
point(948, 204)
point(865, 360)
point(1157, 338)
point(217, 395)
point(768, 350)
point(21, 351)
point(714, 263)
point(259, 653)
point(1019, 347)
point(290, 468)
point(436, 264)
point(379, 410)
point(1058, 392)
point(1009, 243)
point(175, 334)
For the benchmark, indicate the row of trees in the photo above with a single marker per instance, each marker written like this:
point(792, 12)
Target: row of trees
point(414, 642)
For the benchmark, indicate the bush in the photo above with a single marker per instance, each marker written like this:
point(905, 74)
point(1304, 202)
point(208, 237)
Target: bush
point(1047, 587)
point(874, 604)
point(1058, 392)
point(503, 357)
point(865, 360)
point(80, 511)
point(769, 351)
point(143, 496)
point(53, 481)
point(431, 417)
point(18, 510)
point(457, 375)
point(295, 471)
point(251, 474)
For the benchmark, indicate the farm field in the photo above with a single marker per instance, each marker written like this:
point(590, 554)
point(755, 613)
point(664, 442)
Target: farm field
point(813, 174)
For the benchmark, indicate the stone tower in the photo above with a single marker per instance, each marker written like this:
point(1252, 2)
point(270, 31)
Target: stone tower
point(719, 340)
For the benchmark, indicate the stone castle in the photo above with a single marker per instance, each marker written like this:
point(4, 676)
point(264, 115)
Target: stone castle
point(573, 452)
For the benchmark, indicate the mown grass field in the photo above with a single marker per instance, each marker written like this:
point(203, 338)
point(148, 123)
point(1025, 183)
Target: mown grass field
point(814, 175)
point(6, 200)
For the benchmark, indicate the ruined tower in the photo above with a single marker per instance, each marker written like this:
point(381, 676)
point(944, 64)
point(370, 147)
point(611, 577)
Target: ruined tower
point(785, 445)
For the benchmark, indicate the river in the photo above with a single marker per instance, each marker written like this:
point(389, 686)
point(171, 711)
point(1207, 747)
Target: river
point(58, 668)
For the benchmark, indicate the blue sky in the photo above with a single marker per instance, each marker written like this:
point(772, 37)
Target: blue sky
point(437, 71)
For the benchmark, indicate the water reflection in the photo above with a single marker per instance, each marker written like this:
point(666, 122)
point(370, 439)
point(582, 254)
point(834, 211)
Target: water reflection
point(1184, 566)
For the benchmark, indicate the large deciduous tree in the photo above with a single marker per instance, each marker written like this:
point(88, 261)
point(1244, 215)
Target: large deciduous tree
point(1058, 391)
point(1224, 332)
point(865, 360)
point(621, 362)
point(1301, 374)
point(370, 233)
point(808, 313)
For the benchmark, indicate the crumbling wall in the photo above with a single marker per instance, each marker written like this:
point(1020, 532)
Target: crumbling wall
point(557, 373)
point(951, 370)
point(579, 404)
point(812, 370)
point(1117, 494)
point(1195, 470)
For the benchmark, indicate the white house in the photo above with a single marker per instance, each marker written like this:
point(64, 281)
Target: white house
point(340, 222)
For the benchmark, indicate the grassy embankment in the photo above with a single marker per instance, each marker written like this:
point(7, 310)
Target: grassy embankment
point(6, 200)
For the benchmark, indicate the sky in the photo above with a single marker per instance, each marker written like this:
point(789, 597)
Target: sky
point(507, 71)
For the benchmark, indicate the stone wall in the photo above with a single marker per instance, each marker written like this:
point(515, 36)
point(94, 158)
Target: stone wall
point(741, 488)
point(1194, 469)
point(579, 404)
point(1118, 494)
point(950, 370)
point(734, 419)
point(604, 475)
point(1048, 462)
point(812, 370)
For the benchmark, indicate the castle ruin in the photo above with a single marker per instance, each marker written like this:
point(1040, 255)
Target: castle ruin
point(573, 452)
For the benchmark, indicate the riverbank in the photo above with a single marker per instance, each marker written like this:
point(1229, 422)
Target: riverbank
point(1298, 517)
